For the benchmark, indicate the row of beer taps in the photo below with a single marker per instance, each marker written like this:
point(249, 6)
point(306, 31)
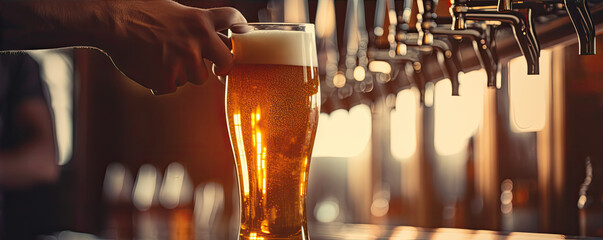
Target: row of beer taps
point(404, 46)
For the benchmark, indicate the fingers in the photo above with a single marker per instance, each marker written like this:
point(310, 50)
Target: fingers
point(219, 54)
point(170, 79)
point(224, 17)
point(226, 40)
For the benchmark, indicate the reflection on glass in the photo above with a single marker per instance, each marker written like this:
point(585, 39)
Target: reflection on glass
point(209, 205)
point(241, 151)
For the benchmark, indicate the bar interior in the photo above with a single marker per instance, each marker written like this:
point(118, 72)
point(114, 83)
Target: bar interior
point(468, 119)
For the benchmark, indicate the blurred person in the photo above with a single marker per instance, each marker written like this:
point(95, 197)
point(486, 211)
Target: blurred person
point(27, 144)
point(160, 44)
point(28, 156)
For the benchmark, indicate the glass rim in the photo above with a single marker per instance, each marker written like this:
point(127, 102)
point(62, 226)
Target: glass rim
point(246, 27)
point(272, 23)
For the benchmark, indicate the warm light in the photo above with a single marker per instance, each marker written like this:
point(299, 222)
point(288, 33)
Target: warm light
point(404, 124)
point(451, 234)
point(393, 17)
point(343, 134)
point(117, 182)
point(241, 149)
point(380, 66)
point(325, 18)
point(404, 232)
point(380, 207)
point(209, 202)
point(506, 196)
point(457, 118)
point(401, 49)
point(378, 31)
point(145, 186)
point(56, 69)
point(339, 80)
point(429, 92)
point(173, 186)
point(359, 73)
point(582, 201)
point(296, 11)
point(528, 94)
point(303, 179)
point(484, 235)
point(327, 211)
point(533, 236)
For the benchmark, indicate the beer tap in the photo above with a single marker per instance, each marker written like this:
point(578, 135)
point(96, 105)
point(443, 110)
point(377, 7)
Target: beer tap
point(521, 23)
point(577, 10)
point(442, 48)
point(484, 44)
point(579, 13)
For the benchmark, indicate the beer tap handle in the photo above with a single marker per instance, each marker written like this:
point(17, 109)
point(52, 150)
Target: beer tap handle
point(581, 19)
point(446, 59)
point(486, 48)
point(530, 27)
point(455, 56)
point(484, 44)
point(524, 33)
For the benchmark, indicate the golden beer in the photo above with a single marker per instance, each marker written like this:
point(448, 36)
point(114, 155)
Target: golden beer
point(272, 111)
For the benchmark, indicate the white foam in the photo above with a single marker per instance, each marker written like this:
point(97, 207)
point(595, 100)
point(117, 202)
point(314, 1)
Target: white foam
point(281, 47)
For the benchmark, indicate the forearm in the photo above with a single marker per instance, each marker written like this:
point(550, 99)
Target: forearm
point(39, 24)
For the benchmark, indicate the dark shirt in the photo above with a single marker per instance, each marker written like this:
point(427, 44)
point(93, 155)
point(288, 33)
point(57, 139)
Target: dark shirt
point(22, 212)
point(19, 80)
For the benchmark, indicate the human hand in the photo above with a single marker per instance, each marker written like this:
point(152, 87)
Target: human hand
point(161, 44)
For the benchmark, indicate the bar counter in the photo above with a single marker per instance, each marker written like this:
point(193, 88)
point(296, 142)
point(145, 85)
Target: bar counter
point(384, 232)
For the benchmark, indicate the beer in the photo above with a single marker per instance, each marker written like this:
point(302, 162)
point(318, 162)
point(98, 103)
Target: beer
point(272, 96)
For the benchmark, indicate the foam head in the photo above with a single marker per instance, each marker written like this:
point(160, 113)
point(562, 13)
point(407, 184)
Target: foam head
point(282, 47)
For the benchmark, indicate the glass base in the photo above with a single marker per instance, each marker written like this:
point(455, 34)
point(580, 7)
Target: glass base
point(254, 236)
point(274, 238)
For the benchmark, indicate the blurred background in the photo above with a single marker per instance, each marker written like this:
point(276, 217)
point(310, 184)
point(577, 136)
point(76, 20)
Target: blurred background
point(522, 155)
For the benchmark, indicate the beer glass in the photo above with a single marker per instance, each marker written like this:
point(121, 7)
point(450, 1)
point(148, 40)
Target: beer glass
point(272, 108)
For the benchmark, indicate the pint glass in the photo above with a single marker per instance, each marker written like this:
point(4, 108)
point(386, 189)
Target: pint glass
point(272, 108)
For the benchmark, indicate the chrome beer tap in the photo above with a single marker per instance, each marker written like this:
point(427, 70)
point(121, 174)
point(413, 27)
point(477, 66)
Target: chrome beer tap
point(484, 44)
point(424, 40)
point(521, 23)
point(577, 10)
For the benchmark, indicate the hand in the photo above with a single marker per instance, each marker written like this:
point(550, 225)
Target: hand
point(161, 44)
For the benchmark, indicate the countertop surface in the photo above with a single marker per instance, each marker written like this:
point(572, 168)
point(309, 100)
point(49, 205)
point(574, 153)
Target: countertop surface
point(383, 232)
